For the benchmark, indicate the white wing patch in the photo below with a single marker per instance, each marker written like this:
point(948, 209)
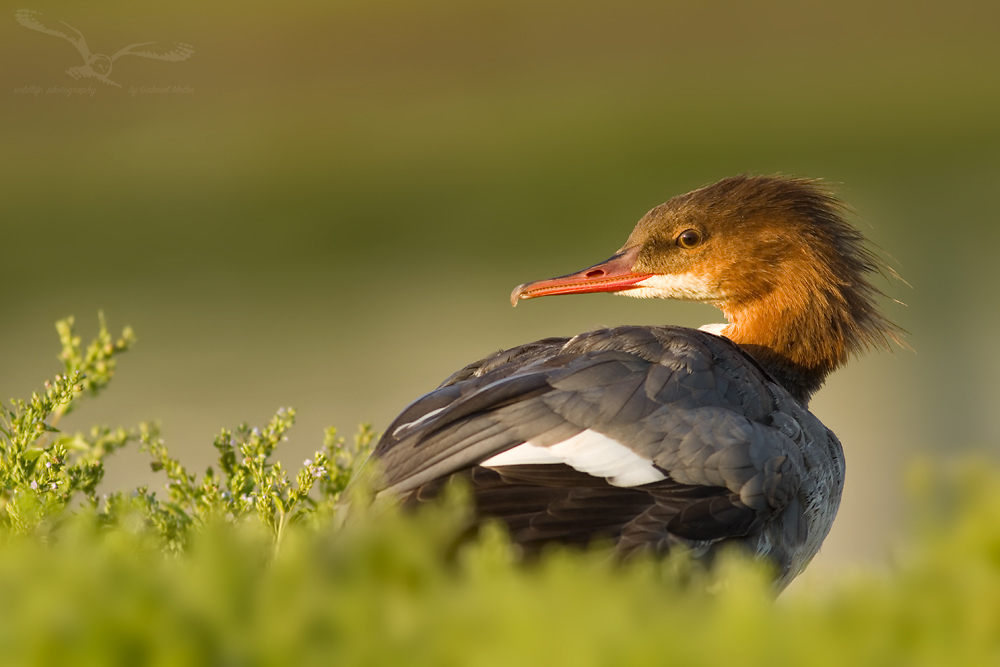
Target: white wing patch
point(589, 452)
point(522, 455)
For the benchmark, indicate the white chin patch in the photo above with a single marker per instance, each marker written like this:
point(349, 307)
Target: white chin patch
point(588, 452)
point(687, 286)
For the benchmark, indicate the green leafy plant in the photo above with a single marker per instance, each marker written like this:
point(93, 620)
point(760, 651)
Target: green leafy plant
point(42, 469)
point(248, 565)
point(249, 483)
point(40, 474)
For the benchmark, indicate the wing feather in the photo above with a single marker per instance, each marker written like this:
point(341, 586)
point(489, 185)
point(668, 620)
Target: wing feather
point(29, 19)
point(172, 52)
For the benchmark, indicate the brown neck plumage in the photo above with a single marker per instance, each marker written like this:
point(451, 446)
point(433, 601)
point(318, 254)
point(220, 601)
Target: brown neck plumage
point(798, 341)
point(820, 307)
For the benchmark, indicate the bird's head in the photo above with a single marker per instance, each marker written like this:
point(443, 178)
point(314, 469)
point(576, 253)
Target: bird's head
point(100, 63)
point(775, 254)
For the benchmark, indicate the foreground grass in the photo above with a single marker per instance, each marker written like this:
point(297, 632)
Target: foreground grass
point(243, 566)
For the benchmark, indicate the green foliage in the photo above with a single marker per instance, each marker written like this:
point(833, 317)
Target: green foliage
point(38, 478)
point(197, 578)
point(251, 485)
point(390, 589)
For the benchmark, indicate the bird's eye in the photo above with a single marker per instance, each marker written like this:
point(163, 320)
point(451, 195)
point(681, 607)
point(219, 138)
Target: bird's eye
point(689, 238)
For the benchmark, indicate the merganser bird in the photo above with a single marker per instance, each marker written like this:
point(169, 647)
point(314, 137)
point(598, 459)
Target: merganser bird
point(655, 436)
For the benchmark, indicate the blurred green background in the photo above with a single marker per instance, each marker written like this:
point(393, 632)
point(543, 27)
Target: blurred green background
point(334, 216)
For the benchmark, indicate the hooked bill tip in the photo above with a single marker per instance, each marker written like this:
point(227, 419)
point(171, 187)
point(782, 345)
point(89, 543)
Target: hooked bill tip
point(516, 294)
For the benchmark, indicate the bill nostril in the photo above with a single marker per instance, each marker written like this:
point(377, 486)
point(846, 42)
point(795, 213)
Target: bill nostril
point(597, 273)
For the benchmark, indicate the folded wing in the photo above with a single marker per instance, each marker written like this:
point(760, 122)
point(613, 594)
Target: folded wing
point(647, 436)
